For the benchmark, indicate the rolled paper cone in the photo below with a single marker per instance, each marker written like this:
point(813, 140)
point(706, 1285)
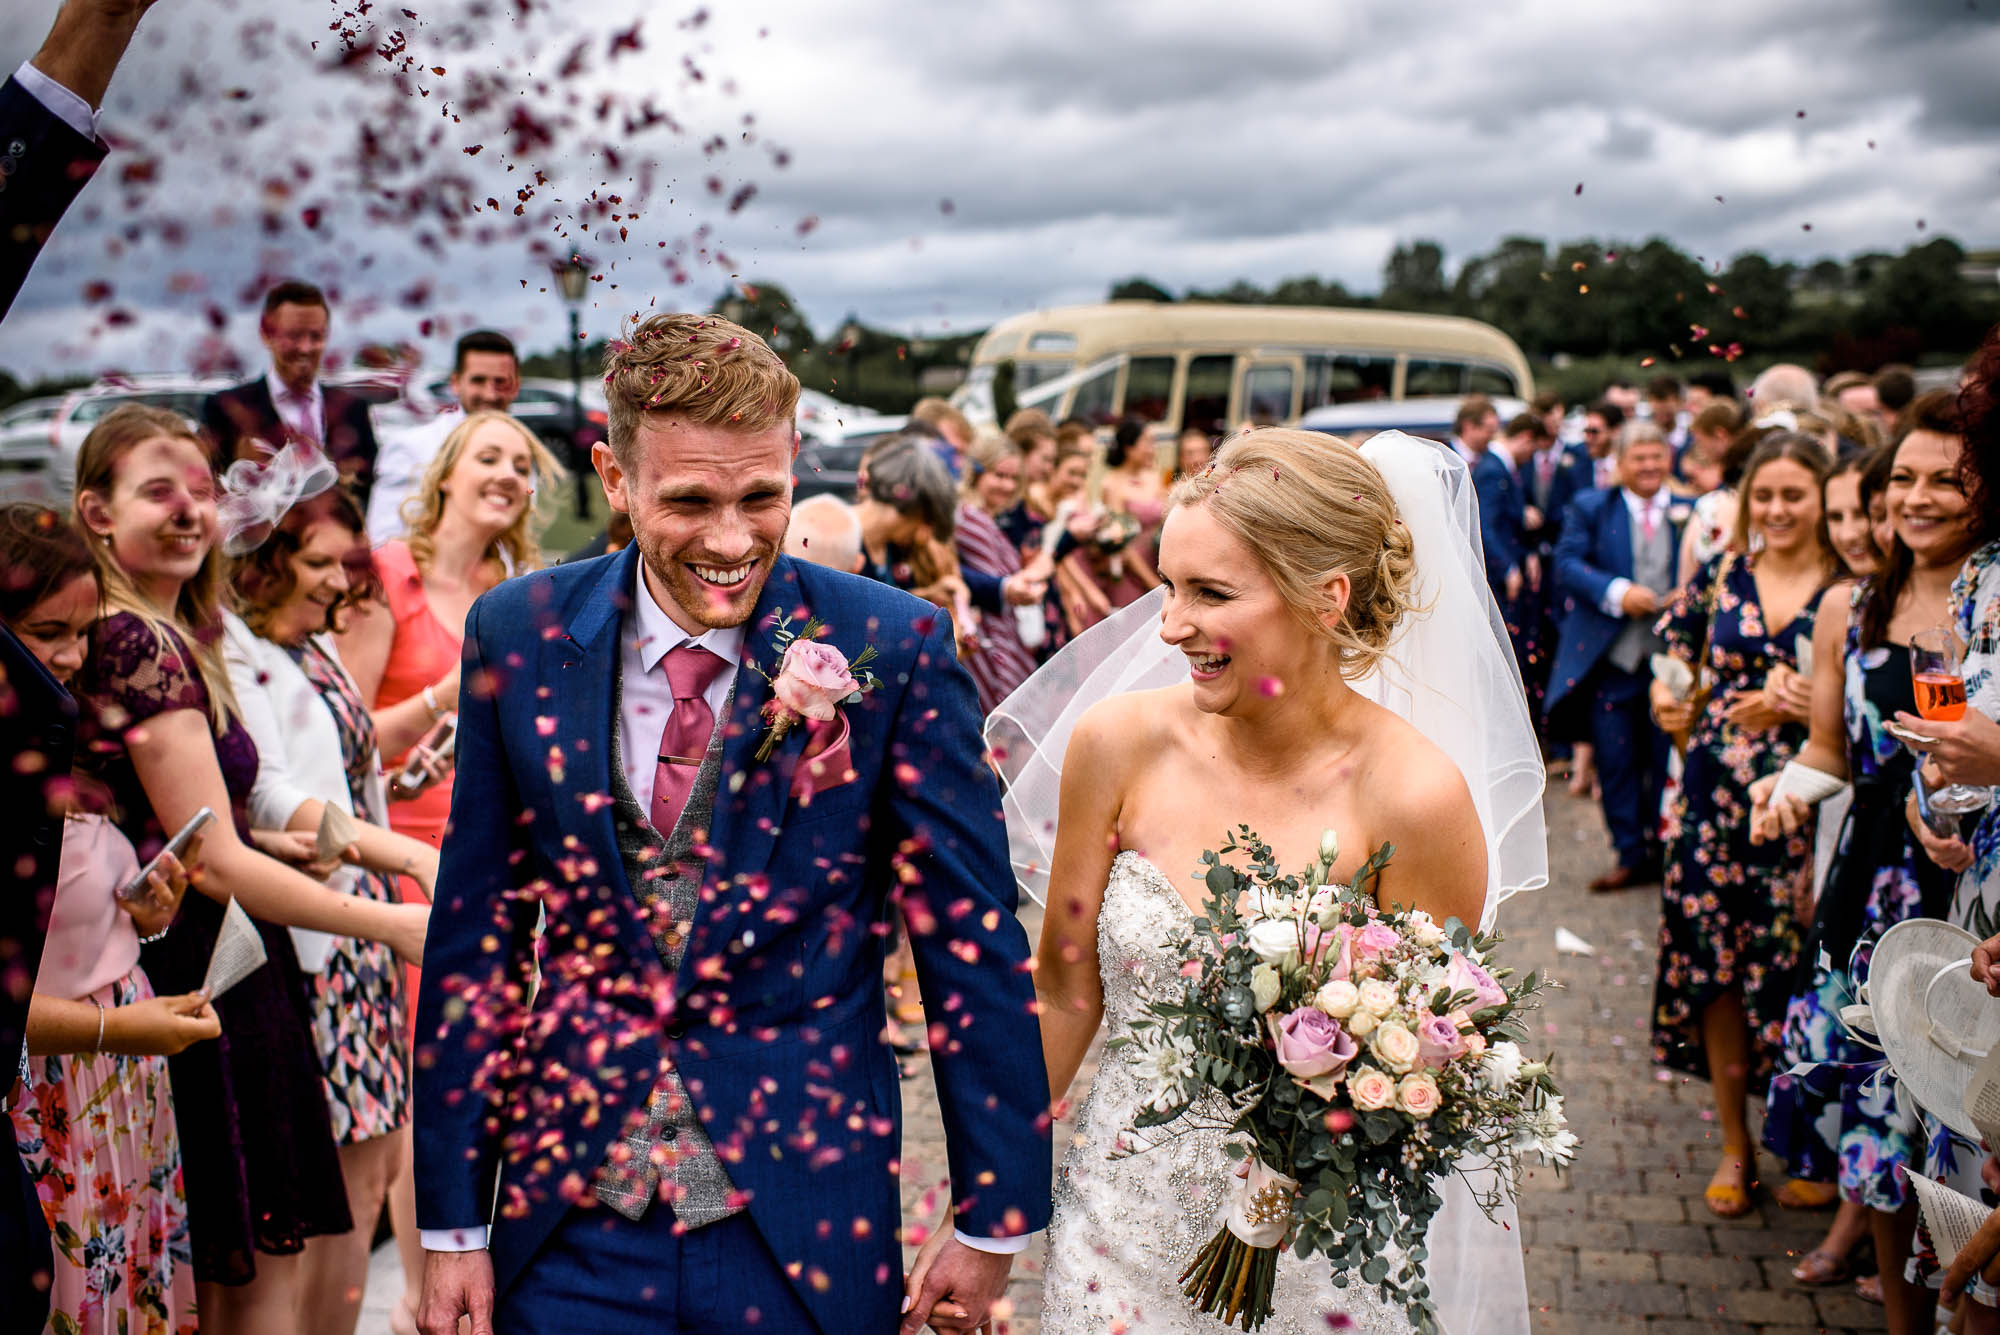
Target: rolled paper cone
point(1675, 675)
point(336, 831)
point(1810, 786)
point(1803, 648)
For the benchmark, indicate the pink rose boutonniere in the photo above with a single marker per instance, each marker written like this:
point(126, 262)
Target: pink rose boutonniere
point(813, 679)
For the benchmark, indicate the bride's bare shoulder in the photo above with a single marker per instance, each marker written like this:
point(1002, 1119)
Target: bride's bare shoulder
point(1418, 782)
point(1121, 729)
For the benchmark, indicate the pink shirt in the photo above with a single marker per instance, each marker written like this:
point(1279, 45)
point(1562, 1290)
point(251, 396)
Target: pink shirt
point(92, 942)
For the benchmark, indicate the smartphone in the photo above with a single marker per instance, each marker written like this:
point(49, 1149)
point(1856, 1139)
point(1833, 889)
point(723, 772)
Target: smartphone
point(439, 741)
point(178, 845)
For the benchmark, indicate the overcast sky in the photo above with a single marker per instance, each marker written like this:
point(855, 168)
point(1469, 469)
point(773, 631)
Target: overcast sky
point(931, 167)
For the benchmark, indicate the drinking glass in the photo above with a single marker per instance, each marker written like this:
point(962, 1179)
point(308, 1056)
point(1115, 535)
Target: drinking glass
point(1937, 672)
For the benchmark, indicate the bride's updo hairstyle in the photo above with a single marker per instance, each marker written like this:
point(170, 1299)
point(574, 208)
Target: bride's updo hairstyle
point(1312, 508)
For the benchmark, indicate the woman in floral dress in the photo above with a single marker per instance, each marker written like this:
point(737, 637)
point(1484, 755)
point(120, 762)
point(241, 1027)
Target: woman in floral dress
point(94, 1122)
point(1728, 940)
point(1840, 1122)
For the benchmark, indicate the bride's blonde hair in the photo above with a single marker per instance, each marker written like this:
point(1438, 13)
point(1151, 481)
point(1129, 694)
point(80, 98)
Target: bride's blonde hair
point(1312, 508)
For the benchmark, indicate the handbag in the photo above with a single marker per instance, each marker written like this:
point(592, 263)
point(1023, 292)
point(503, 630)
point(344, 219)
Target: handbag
point(1704, 685)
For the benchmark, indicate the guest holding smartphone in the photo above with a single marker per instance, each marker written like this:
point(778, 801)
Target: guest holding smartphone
point(95, 1123)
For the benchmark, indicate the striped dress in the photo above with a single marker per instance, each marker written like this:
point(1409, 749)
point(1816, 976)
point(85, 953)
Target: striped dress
point(1001, 662)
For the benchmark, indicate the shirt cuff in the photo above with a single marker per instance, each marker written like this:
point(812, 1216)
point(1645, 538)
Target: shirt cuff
point(1614, 597)
point(997, 1246)
point(61, 103)
point(452, 1239)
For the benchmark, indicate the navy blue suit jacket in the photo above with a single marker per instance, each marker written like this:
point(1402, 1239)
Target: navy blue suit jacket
point(773, 1019)
point(1594, 549)
point(1500, 519)
point(1576, 473)
point(44, 164)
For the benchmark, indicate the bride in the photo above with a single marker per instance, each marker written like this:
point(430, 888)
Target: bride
point(1335, 662)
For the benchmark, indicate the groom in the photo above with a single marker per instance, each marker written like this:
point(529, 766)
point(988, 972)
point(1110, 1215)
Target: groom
point(666, 1107)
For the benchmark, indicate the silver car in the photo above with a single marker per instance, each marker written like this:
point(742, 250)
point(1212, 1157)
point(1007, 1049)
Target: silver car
point(84, 408)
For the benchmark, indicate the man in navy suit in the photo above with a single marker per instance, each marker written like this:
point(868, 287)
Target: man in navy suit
point(1615, 564)
point(1509, 523)
point(49, 148)
point(667, 1107)
point(289, 403)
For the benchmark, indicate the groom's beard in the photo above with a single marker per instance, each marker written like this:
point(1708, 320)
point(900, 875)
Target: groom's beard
point(704, 601)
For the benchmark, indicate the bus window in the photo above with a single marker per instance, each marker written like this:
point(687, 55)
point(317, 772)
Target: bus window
point(1433, 377)
point(1029, 374)
point(1346, 378)
point(1205, 402)
point(1267, 395)
point(1093, 398)
point(1487, 380)
point(1149, 387)
point(1051, 341)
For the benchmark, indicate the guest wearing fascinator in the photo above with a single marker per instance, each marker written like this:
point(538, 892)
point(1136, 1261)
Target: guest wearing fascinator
point(302, 564)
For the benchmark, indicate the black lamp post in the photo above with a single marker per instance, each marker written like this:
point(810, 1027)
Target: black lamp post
point(573, 276)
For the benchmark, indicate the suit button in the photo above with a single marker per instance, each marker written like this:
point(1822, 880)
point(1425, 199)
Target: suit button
point(669, 1134)
point(45, 834)
point(677, 1031)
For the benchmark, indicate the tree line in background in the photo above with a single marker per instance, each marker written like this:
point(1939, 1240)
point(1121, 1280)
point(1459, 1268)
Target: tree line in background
point(1582, 310)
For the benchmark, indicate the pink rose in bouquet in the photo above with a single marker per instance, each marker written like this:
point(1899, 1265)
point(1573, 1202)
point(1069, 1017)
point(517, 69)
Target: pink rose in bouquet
point(1340, 951)
point(812, 678)
point(1462, 975)
point(1438, 1040)
point(1376, 938)
point(1311, 1043)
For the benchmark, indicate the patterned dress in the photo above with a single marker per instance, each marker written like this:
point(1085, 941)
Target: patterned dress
point(358, 1008)
point(1726, 914)
point(1839, 1122)
point(95, 1132)
point(261, 1169)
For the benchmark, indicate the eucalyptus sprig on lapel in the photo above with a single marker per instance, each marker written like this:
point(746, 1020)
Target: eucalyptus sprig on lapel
point(812, 680)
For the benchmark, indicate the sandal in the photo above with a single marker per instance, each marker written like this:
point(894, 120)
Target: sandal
point(1798, 1194)
point(1820, 1267)
point(1728, 1200)
point(1869, 1289)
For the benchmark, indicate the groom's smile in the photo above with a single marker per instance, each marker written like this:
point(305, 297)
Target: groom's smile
point(709, 504)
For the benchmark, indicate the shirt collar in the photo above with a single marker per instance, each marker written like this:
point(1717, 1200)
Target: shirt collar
point(657, 634)
point(1640, 507)
point(281, 393)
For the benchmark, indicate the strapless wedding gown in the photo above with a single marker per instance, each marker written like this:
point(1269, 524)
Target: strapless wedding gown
point(1124, 1229)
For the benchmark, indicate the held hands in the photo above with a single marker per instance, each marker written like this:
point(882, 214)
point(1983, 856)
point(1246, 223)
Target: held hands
point(300, 849)
point(952, 1286)
point(1022, 589)
point(165, 888)
point(1774, 817)
point(1952, 854)
point(456, 1284)
point(1750, 711)
point(1967, 749)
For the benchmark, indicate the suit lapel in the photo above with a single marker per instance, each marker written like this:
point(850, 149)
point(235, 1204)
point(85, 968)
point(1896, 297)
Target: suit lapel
point(1618, 529)
point(587, 668)
point(753, 795)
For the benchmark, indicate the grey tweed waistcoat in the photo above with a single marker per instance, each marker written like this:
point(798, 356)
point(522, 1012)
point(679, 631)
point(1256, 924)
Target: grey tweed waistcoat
point(663, 1152)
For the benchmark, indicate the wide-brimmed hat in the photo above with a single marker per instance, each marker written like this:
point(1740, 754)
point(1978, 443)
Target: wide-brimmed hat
point(1934, 1023)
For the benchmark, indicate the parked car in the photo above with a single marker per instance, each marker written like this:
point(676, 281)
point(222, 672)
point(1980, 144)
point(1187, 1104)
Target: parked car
point(829, 465)
point(1430, 416)
point(82, 409)
point(823, 417)
point(25, 452)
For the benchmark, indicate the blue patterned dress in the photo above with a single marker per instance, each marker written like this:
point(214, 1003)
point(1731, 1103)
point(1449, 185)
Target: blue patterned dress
point(1726, 912)
point(1832, 1125)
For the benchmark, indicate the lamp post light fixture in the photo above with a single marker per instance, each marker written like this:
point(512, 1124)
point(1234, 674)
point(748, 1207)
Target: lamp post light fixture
point(573, 277)
point(850, 342)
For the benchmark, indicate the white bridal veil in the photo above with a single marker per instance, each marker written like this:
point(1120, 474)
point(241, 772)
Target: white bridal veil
point(1450, 671)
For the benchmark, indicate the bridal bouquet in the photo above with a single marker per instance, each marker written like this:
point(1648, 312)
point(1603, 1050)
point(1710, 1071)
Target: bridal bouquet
point(1354, 1057)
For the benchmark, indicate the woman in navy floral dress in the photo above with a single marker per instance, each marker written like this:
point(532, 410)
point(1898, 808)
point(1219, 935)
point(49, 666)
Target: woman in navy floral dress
point(1840, 1122)
point(1728, 940)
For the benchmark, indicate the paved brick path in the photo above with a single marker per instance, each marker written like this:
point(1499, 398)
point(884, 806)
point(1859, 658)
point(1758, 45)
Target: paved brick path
point(1624, 1244)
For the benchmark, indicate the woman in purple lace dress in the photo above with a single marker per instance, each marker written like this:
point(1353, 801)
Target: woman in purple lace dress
point(261, 1170)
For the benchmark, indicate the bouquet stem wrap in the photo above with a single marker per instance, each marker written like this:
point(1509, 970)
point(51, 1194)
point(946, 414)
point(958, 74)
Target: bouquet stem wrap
point(1234, 1274)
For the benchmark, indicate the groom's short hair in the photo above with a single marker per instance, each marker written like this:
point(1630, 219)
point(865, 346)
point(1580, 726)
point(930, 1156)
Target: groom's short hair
point(701, 367)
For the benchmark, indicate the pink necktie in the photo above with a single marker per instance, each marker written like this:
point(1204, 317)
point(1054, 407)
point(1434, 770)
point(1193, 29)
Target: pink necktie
point(684, 741)
point(302, 409)
point(1651, 521)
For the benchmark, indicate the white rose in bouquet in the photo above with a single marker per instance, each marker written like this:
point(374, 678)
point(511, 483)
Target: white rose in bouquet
point(1378, 997)
point(1264, 986)
point(1275, 941)
point(1361, 1024)
point(1338, 999)
point(1424, 930)
point(1395, 1046)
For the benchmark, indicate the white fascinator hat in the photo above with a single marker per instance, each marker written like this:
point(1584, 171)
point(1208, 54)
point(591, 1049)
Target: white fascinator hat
point(256, 493)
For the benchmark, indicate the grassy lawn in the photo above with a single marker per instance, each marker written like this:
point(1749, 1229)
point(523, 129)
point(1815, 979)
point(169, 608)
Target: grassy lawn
point(566, 532)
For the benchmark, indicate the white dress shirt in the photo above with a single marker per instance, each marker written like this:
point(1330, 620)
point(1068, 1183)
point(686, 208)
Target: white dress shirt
point(1614, 592)
point(305, 416)
point(399, 466)
point(59, 101)
point(646, 635)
